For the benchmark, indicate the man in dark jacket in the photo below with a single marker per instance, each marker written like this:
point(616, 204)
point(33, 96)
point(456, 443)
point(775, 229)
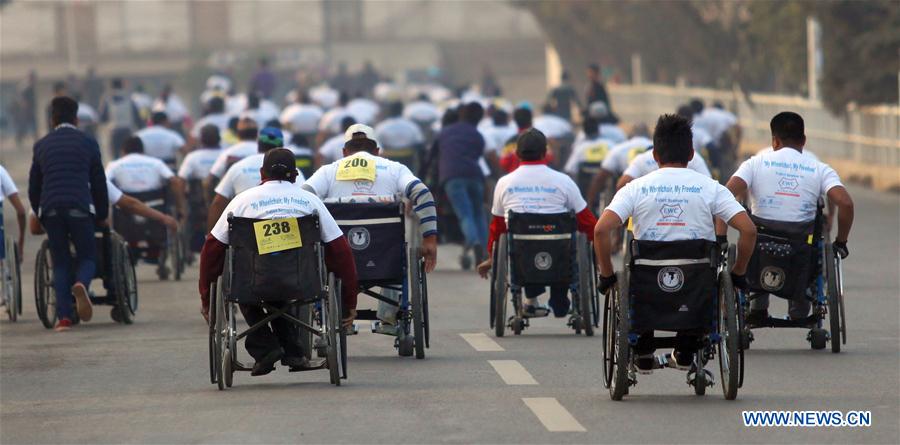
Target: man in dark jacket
point(67, 190)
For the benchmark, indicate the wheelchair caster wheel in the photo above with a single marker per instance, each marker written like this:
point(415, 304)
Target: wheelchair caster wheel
point(517, 325)
point(115, 314)
point(319, 346)
point(818, 338)
point(405, 346)
point(746, 339)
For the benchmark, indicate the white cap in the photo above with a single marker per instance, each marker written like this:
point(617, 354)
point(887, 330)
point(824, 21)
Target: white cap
point(360, 128)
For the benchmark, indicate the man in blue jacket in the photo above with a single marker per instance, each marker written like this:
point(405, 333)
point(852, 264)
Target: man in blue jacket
point(67, 190)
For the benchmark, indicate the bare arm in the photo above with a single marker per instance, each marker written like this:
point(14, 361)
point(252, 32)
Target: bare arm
point(746, 241)
point(177, 187)
point(609, 221)
point(20, 219)
point(216, 207)
point(134, 206)
point(598, 183)
point(839, 196)
point(623, 180)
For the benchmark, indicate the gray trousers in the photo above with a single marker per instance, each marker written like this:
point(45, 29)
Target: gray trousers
point(796, 308)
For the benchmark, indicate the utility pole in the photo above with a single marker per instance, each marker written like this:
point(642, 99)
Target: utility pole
point(813, 57)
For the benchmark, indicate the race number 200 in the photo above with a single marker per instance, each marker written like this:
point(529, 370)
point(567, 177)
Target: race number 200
point(354, 168)
point(275, 235)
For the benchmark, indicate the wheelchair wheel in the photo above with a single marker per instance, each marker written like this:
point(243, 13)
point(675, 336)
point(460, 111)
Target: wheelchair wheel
point(13, 283)
point(332, 328)
point(835, 299)
point(219, 332)
point(699, 383)
point(500, 287)
point(729, 338)
point(44, 295)
point(609, 335)
point(305, 314)
point(213, 363)
point(586, 289)
point(176, 254)
point(417, 304)
point(618, 386)
point(125, 281)
point(423, 281)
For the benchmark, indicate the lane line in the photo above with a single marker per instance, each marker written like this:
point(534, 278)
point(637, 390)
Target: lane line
point(481, 342)
point(512, 372)
point(553, 415)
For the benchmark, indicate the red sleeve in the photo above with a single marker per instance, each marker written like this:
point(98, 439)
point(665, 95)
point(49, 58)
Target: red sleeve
point(339, 259)
point(586, 223)
point(509, 162)
point(498, 227)
point(212, 260)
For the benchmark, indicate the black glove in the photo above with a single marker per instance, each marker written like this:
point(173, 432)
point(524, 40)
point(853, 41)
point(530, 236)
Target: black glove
point(840, 248)
point(606, 283)
point(739, 281)
point(722, 241)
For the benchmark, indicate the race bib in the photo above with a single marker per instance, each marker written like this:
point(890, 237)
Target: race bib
point(595, 153)
point(275, 235)
point(633, 153)
point(354, 168)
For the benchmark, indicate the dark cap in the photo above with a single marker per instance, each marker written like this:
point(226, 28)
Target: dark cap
point(279, 163)
point(531, 145)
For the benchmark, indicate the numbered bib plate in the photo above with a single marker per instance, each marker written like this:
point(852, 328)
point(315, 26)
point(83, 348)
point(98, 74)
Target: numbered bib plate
point(275, 235)
point(355, 168)
point(595, 153)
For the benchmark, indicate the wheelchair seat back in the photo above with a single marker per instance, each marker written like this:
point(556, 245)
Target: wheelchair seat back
point(784, 260)
point(377, 236)
point(541, 248)
point(673, 284)
point(136, 228)
point(278, 276)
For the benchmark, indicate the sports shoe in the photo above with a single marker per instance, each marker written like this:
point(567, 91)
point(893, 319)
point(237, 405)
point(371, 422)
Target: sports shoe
point(296, 363)
point(64, 324)
point(82, 302)
point(535, 311)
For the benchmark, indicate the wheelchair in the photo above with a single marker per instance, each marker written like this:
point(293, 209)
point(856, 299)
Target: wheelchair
point(408, 156)
point(11, 273)
point(542, 250)
point(193, 233)
point(693, 277)
point(385, 244)
point(114, 268)
point(589, 167)
point(795, 261)
point(143, 235)
point(294, 279)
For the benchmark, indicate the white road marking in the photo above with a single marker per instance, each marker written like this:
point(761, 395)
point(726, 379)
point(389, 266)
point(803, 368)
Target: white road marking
point(512, 372)
point(553, 415)
point(481, 342)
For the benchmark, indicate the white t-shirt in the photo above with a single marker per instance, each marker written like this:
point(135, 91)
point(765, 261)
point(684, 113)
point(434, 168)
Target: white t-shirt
point(363, 110)
point(218, 119)
point(612, 132)
point(620, 155)
point(785, 185)
point(113, 192)
point(590, 150)
point(398, 133)
point(536, 189)
point(495, 137)
point(644, 163)
point(231, 155)
point(715, 121)
point(701, 138)
point(674, 204)
point(805, 153)
point(391, 178)
point(277, 199)
point(136, 173)
point(301, 118)
point(7, 186)
point(196, 164)
point(553, 126)
point(243, 175)
point(173, 107)
point(160, 142)
point(331, 120)
point(325, 96)
point(421, 111)
point(332, 149)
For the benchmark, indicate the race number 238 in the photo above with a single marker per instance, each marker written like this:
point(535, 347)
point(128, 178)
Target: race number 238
point(275, 235)
point(355, 168)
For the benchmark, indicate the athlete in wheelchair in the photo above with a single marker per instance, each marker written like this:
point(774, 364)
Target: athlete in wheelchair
point(793, 258)
point(150, 181)
point(369, 196)
point(284, 263)
point(11, 249)
point(677, 279)
point(540, 237)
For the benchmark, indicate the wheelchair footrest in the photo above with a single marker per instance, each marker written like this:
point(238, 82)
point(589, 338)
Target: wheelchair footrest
point(314, 365)
point(773, 322)
point(366, 314)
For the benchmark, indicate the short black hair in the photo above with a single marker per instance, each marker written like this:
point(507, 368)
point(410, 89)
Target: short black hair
point(299, 140)
point(591, 126)
point(116, 82)
point(274, 123)
point(686, 112)
point(531, 145)
point(216, 105)
point(395, 108)
point(232, 124)
point(500, 117)
point(696, 105)
point(159, 117)
point(451, 116)
point(471, 112)
point(63, 110)
point(252, 101)
point(133, 144)
point(523, 117)
point(59, 87)
point(209, 136)
point(673, 140)
point(347, 122)
point(788, 127)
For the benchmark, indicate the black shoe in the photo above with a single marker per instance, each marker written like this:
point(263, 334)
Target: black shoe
point(296, 363)
point(756, 318)
point(645, 363)
point(267, 364)
point(560, 306)
point(683, 360)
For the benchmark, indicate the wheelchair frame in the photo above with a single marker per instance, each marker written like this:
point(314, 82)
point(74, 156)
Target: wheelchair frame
point(117, 273)
point(317, 317)
point(413, 333)
point(11, 273)
point(586, 306)
point(172, 251)
point(619, 368)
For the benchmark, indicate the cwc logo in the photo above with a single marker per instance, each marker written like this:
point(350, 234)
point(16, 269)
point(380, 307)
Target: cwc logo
point(788, 184)
point(673, 211)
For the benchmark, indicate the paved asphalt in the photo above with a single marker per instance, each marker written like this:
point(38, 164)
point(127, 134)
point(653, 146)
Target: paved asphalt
point(148, 382)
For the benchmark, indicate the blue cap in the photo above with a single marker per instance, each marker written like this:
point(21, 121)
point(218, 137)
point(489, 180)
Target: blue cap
point(271, 136)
